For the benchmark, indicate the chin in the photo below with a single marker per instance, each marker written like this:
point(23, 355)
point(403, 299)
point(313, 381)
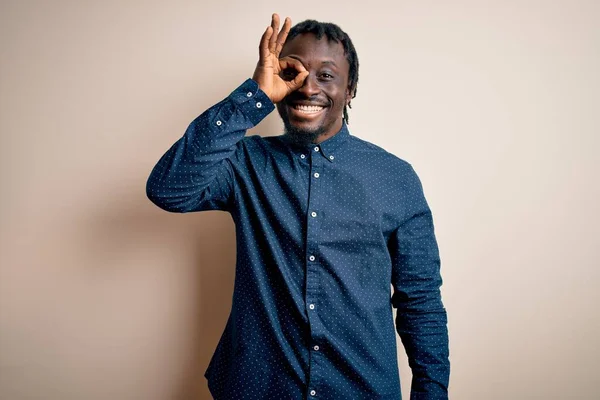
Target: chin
point(301, 133)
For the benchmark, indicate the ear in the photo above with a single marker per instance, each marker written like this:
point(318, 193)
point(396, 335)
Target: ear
point(349, 94)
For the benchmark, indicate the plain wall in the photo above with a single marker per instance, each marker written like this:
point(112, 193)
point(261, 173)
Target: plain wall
point(495, 103)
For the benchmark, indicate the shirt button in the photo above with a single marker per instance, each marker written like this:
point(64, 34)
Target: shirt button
point(313, 393)
point(316, 174)
point(331, 157)
point(316, 148)
point(249, 94)
point(312, 306)
point(316, 348)
point(219, 123)
point(311, 258)
point(302, 156)
point(313, 214)
point(258, 105)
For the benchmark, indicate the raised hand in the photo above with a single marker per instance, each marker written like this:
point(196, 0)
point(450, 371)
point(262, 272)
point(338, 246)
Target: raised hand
point(269, 67)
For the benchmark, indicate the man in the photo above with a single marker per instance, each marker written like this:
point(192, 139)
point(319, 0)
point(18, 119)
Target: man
point(325, 222)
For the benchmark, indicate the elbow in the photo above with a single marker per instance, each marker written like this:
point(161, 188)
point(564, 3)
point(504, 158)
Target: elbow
point(171, 200)
point(162, 198)
point(155, 196)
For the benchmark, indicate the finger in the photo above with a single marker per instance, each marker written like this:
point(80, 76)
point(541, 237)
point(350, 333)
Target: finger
point(288, 62)
point(263, 48)
point(273, 38)
point(298, 81)
point(283, 35)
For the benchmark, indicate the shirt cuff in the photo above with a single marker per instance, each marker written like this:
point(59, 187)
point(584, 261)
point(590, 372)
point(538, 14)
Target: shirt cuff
point(252, 101)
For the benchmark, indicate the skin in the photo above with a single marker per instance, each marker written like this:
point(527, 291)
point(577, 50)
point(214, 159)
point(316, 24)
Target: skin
point(304, 72)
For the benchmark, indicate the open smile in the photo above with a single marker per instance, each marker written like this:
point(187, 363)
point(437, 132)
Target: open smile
point(308, 109)
point(304, 110)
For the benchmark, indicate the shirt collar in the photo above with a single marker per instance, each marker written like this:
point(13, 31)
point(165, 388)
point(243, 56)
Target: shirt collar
point(328, 148)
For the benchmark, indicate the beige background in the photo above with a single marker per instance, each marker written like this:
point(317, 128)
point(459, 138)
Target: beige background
point(495, 103)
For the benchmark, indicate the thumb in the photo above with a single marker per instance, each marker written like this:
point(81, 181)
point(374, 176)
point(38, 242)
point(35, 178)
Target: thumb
point(298, 80)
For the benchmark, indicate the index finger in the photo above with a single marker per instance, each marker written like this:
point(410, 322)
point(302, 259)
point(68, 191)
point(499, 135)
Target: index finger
point(293, 82)
point(288, 62)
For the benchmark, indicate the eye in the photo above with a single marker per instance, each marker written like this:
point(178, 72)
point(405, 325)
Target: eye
point(326, 76)
point(289, 74)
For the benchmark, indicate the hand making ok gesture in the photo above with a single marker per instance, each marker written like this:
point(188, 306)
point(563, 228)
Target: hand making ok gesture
point(269, 66)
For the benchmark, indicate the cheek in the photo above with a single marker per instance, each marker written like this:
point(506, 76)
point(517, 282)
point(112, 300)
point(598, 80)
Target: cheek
point(340, 100)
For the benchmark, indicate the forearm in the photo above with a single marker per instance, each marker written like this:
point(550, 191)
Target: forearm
point(421, 319)
point(181, 177)
point(425, 339)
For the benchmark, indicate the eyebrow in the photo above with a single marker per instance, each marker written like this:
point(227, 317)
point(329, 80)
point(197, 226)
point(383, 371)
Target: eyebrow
point(324, 62)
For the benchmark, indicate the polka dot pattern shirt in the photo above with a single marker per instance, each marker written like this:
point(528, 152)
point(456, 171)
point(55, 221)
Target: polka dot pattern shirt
point(324, 232)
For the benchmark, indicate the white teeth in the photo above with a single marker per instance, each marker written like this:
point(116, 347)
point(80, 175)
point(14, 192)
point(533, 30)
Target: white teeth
point(308, 109)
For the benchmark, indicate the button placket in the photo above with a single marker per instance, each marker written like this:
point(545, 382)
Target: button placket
point(314, 268)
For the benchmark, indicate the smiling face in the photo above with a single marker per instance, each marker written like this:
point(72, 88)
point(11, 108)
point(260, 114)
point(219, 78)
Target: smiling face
point(314, 112)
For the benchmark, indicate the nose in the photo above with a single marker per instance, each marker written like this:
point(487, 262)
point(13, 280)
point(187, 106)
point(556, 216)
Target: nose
point(310, 86)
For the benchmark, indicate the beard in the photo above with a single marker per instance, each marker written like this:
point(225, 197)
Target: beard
point(300, 136)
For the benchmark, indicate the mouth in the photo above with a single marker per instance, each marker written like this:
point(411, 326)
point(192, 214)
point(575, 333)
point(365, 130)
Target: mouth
point(305, 110)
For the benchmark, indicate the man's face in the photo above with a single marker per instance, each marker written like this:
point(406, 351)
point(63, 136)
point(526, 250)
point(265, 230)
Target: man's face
point(314, 112)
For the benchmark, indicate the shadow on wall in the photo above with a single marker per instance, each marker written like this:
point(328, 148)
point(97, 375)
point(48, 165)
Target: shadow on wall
point(215, 259)
point(191, 259)
point(178, 284)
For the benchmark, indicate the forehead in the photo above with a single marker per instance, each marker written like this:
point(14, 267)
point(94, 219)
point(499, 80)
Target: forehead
point(313, 52)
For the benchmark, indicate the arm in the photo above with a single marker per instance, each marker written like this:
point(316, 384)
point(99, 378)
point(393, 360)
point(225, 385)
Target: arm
point(421, 318)
point(195, 173)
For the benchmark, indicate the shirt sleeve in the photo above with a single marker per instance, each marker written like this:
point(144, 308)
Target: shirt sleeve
point(421, 319)
point(196, 173)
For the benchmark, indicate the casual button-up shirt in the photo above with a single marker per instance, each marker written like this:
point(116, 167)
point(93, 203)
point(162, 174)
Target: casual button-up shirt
point(330, 237)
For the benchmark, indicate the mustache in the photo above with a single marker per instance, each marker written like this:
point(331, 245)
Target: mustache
point(297, 97)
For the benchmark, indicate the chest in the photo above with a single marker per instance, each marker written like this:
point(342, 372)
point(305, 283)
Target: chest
point(349, 194)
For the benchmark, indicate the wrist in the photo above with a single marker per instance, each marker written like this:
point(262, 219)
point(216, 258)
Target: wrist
point(264, 90)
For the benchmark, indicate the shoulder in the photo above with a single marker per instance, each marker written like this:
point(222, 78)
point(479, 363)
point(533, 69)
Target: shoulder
point(256, 147)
